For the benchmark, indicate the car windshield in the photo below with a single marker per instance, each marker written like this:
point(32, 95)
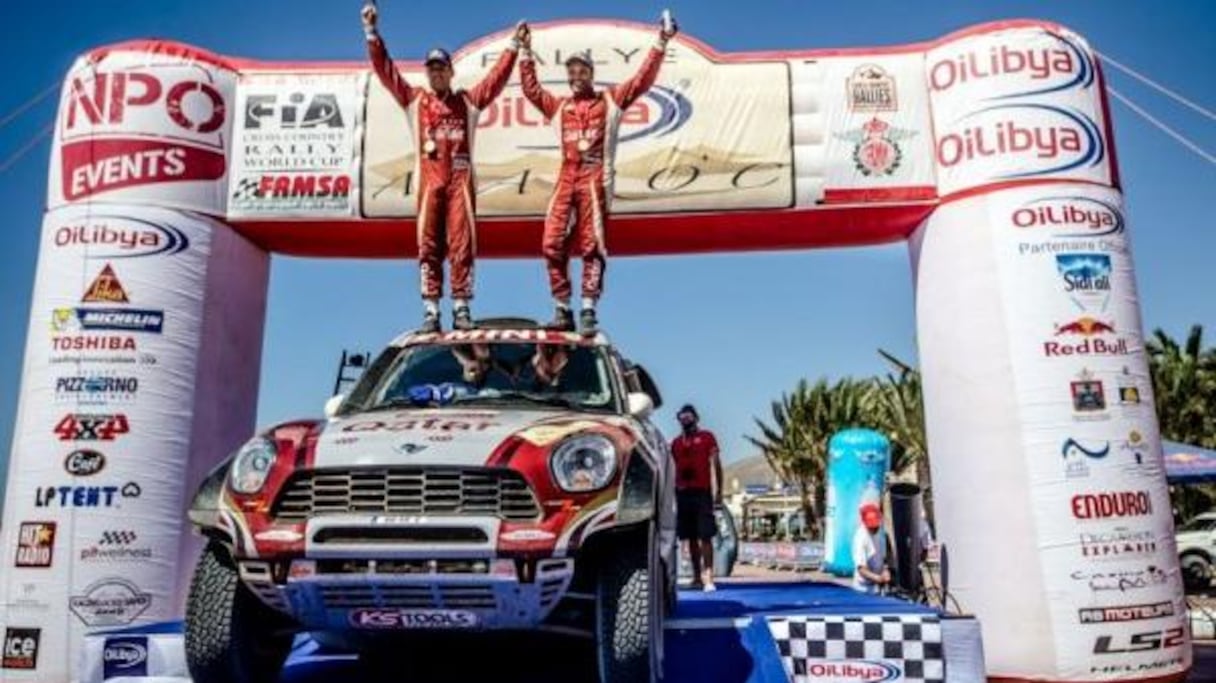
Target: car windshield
point(1199, 524)
point(559, 375)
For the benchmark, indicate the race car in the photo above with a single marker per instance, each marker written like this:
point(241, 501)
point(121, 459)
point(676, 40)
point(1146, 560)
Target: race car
point(504, 478)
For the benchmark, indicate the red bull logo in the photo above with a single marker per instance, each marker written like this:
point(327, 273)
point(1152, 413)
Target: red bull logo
point(1093, 343)
point(1086, 327)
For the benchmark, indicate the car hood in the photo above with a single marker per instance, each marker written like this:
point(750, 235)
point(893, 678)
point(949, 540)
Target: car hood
point(455, 437)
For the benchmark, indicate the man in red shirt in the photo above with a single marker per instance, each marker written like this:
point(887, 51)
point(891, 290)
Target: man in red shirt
point(577, 218)
point(444, 121)
point(698, 467)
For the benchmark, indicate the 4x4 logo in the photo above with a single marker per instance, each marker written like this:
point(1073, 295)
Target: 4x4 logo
point(1142, 642)
point(91, 427)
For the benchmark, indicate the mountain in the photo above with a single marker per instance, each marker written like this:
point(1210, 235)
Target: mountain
point(751, 471)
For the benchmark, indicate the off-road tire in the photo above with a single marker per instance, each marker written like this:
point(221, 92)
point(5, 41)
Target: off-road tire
point(628, 615)
point(231, 636)
point(1196, 573)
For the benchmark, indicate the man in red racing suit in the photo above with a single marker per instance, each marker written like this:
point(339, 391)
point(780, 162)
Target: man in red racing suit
point(444, 121)
point(578, 211)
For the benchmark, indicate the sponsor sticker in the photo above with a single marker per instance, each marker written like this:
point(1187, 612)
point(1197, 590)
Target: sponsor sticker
point(1120, 543)
point(412, 619)
point(125, 237)
point(104, 147)
point(121, 545)
point(852, 671)
point(1120, 613)
point(97, 389)
point(21, 648)
point(876, 147)
point(124, 656)
point(1111, 505)
point(1122, 581)
point(105, 289)
point(65, 497)
point(871, 89)
point(1086, 336)
point(1088, 396)
point(110, 602)
point(111, 319)
point(91, 427)
point(35, 545)
point(84, 462)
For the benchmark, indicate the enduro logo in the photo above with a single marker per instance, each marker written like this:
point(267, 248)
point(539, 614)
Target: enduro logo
point(1026, 140)
point(1044, 67)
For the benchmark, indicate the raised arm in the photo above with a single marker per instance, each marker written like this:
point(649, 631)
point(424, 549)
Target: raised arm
point(542, 99)
point(625, 94)
point(490, 87)
point(382, 63)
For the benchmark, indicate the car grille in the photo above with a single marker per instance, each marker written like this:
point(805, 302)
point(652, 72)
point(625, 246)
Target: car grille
point(407, 491)
point(450, 596)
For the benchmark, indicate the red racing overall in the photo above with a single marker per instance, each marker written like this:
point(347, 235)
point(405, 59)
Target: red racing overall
point(446, 206)
point(578, 211)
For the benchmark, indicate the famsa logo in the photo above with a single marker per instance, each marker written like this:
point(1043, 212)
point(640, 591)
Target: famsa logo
point(1024, 141)
point(1032, 67)
point(1074, 216)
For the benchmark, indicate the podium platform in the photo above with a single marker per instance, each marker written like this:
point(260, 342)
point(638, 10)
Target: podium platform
point(742, 633)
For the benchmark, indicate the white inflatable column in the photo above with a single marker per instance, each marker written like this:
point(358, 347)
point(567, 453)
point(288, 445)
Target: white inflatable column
point(140, 374)
point(1047, 470)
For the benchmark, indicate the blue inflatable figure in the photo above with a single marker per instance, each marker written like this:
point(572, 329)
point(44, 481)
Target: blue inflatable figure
point(858, 460)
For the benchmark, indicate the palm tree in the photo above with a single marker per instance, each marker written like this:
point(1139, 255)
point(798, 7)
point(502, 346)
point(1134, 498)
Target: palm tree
point(795, 443)
point(1184, 387)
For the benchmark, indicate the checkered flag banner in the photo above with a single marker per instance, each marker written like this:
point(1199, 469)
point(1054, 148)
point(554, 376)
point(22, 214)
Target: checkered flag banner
point(833, 649)
point(246, 188)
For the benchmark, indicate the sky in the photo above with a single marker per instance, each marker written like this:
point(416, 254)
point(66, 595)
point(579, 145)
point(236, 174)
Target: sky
point(726, 332)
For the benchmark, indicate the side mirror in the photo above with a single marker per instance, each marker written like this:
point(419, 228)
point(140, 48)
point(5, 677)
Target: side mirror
point(332, 405)
point(639, 404)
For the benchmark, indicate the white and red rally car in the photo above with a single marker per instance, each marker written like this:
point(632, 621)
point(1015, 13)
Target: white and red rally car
point(503, 478)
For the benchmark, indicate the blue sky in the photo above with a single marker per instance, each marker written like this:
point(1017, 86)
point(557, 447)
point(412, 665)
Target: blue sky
point(728, 332)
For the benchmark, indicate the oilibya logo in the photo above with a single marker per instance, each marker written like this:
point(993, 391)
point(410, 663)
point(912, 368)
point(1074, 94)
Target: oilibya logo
point(1031, 67)
point(1027, 139)
point(1079, 216)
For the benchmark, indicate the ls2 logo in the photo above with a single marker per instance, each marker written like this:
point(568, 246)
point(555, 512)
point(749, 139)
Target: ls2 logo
point(1141, 642)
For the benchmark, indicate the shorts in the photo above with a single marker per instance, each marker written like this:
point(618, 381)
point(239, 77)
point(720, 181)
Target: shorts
point(695, 515)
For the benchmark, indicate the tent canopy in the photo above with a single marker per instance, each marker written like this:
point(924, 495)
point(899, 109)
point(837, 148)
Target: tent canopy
point(1188, 464)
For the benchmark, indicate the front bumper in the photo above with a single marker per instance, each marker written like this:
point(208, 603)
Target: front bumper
point(406, 573)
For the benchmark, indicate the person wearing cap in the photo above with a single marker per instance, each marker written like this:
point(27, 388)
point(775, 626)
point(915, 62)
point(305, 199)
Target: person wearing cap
point(698, 468)
point(445, 120)
point(870, 571)
point(577, 218)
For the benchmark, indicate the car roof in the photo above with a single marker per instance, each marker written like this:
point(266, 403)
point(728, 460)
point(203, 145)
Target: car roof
point(501, 335)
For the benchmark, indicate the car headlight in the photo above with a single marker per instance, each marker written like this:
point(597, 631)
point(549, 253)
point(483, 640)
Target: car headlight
point(585, 462)
point(252, 465)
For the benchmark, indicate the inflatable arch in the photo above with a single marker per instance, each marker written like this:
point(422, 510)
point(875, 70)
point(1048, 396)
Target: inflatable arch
point(175, 173)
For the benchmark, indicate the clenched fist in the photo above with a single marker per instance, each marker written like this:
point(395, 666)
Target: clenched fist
point(370, 16)
point(523, 35)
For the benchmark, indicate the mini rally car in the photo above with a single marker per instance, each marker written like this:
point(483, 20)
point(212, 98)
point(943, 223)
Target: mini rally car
point(503, 478)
